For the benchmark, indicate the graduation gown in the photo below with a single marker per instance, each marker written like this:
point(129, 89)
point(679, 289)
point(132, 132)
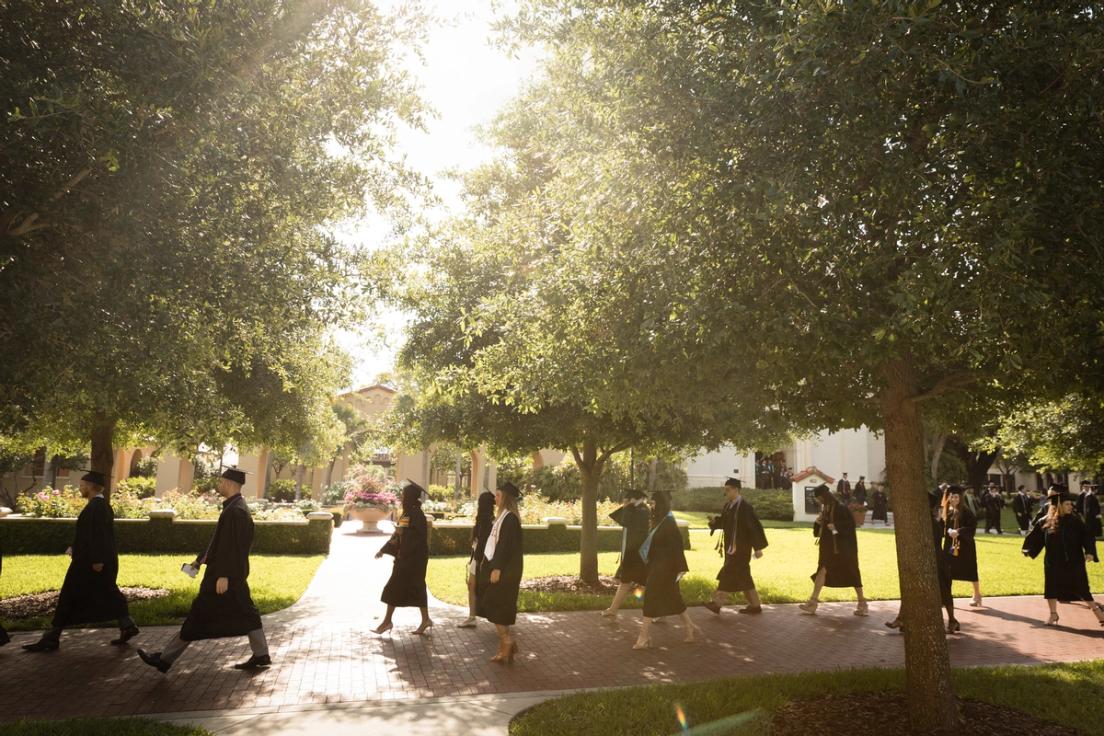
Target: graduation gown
point(1088, 505)
point(410, 546)
point(480, 533)
point(233, 613)
point(88, 596)
point(859, 495)
point(634, 529)
point(963, 566)
point(879, 505)
point(666, 565)
point(1021, 507)
point(3, 633)
point(993, 505)
point(498, 601)
point(742, 533)
point(839, 553)
point(1066, 577)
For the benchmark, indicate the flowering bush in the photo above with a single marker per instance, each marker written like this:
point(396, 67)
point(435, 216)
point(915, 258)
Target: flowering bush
point(52, 503)
point(67, 503)
point(535, 508)
point(367, 486)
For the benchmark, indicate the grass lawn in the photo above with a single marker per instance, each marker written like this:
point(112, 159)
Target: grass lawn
point(275, 581)
point(782, 575)
point(1068, 693)
point(700, 520)
point(99, 727)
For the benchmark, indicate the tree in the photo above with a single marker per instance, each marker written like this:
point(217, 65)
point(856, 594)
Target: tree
point(169, 173)
point(1062, 435)
point(895, 201)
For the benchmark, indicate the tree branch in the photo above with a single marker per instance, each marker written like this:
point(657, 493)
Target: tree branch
point(947, 384)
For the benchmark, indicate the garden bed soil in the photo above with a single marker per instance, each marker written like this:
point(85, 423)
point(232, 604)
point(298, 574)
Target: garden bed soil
point(569, 584)
point(43, 604)
point(874, 714)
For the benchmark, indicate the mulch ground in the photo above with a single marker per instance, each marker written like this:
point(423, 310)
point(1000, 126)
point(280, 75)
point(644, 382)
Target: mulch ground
point(876, 715)
point(569, 584)
point(43, 604)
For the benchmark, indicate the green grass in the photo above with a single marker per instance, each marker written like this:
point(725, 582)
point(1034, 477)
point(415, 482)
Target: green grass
point(1067, 693)
point(782, 575)
point(275, 581)
point(700, 520)
point(99, 727)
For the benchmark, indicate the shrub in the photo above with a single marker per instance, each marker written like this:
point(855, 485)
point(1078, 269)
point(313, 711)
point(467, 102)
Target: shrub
point(776, 505)
point(140, 486)
point(456, 540)
point(51, 503)
point(368, 486)
point(146, 468)
point(205, 483)
point(333, 495)
point(442, 494)
point(281, 491)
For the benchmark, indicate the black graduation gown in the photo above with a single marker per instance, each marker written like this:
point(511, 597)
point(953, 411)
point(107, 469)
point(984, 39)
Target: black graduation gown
point(963, 566)
point(480, 533)
point(843, 491)
point(634, 522)
point(879, 505)
point(498, 601)
point(233, 613)
point(1066, 577)
point(3, 633)
point(666, 564)
point(839, 553)
point(993, 505)
point(88, 596)
point(410, 546)
point(1088, 505)
point(1021, 507)
point(859, 495)
point(742, 532)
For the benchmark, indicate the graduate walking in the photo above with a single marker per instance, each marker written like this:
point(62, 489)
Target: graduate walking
point(409, 545)
point(879, 505)
point(1022, 506)
point(993, 503)
point(1069, 546)
point(224, 607)
point(1088, 505)
point(484, 520)
point(633, 516)
point(838, 557)
point(90, 592)
point(663, 554)
point(959, 543)
point(742, 537)
point(500, 573)
point(942, 570)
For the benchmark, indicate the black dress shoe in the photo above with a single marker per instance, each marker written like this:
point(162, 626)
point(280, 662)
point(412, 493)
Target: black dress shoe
point(751, 610)
point(713, 607)
point(43, 645)
point(125, 635)
point(154, 660)
point(254, 663)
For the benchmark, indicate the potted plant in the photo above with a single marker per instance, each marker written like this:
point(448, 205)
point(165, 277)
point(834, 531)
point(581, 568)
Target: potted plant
point(368, 499)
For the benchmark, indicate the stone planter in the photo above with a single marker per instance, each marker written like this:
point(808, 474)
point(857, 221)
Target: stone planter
point(858, 513)
point(369, 517)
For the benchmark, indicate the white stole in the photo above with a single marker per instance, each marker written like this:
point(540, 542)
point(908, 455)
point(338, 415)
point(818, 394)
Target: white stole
point(492, 540)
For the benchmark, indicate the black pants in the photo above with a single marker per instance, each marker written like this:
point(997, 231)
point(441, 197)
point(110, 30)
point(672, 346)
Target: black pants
point(993, 521)
point(1023, 520)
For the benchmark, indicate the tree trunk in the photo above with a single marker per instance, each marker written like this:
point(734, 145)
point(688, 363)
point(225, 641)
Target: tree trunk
point(653, 474)
point(590, 469)
point(49, 475)
point(299, 473)
point(977, 463)
point(937, 455)
point(103, 449)
point(931, 700)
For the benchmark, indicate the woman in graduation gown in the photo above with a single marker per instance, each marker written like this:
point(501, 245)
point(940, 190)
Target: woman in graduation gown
point(838, 558)
point(1069, 546)
point(409, 545)
point(942, 570)
point(663, 554)
point(879, 505)
point(500, 573)
point(90, 592)
point(959, 544)
point(484, 520)
point(633, 516)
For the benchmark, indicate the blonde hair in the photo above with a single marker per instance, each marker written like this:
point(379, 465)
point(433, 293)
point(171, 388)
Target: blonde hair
point(1055, 512)
point(509, 503)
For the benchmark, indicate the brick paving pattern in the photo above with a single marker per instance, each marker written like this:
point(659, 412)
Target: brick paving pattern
point(325, 653)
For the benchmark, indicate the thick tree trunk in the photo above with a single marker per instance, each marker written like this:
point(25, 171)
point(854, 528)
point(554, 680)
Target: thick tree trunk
point(590, 469)
point(937, 455)
point(653, 474)
point(931, 699)
point(103, 449)
point(977, 463)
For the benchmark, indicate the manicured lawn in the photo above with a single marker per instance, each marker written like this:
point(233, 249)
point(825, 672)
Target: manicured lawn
point(700, 520)
point(275, 581)
point(1068, 693)
point(782, 575)
point(99, 727)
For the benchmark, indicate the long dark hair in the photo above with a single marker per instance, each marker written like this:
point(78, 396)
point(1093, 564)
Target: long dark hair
point(484, 513)
point(411, 498)
point(661, 506)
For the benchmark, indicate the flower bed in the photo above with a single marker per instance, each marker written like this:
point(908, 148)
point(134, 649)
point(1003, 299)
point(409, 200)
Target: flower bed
point(66, 503)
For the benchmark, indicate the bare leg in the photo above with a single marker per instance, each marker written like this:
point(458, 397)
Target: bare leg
point(618, 599)
point(1053, 605)
point(691, 629)
point(426, 622)
point(753, 598)
point(473, 601)
point(977, 593)
point(644, 641)
point(386, 624)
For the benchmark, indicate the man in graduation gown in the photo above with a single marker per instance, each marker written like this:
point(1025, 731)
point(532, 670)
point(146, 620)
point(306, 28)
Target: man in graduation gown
point(1088, 505)
point(843, 490)
point(743, 536)
point(224, 607)
point(90, 592)
point(993, 503)
point(1022, 504)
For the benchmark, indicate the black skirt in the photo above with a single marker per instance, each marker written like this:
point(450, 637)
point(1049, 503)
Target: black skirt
point(632, 570)
point(215, 616)
point(735, 576)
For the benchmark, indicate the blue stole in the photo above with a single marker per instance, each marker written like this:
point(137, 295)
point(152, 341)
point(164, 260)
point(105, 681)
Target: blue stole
point(646, 547)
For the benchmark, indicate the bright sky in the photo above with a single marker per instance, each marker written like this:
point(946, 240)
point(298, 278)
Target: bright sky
point(466, 79)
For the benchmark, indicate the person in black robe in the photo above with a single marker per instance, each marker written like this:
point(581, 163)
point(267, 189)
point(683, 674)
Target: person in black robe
point(484, 519)
point(1069, 547)
point(838, 557)
point(631, 572)
point(959, 543)
point(879, 505)
point(859, 495)
point(500, 573)
point(742, 536)
point(224, 607)
point(942, 571)
point(843, 490)
point(993, 503)
point(1022, 505)
point(663, 554)
point(90, 592)
point(1088, 505)
point(409, 545)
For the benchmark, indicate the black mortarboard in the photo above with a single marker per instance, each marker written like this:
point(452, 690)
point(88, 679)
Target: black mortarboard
point(954, 490)
point(511, 489)
point(635, 493)
point(233, 474)
point(1059, 498)
point(96, 478)
point(734, 482)
point(411, 484)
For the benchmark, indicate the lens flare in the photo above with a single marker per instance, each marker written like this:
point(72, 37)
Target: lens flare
point(638, 593)
point(681, 715)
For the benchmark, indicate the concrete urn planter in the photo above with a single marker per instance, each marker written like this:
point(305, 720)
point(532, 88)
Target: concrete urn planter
point(370, 517)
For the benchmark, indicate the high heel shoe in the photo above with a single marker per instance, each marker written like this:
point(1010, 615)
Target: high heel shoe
point(808, 607)
point(644, 642)
point(609, 613)
point(692, 634)
point(423, 630)
point(862, 610)
point(468, 623)
point(976, 602)
point(1099, 611)
point(1052, 620)
point(953, 626)
point(894, 624)
point(383, 628)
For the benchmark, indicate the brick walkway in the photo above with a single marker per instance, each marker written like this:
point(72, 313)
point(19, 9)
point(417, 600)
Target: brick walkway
point(326, 654)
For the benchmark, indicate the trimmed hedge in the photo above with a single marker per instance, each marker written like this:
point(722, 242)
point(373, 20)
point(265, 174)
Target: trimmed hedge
point(773, 504)
point(446, 540)
point(51, 536)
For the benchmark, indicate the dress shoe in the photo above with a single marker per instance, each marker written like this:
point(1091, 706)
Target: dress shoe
point(43, 645)
point(255, 663)
point(154, 660)
point(125, 635)
point(751, 610)
point(713, 607)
